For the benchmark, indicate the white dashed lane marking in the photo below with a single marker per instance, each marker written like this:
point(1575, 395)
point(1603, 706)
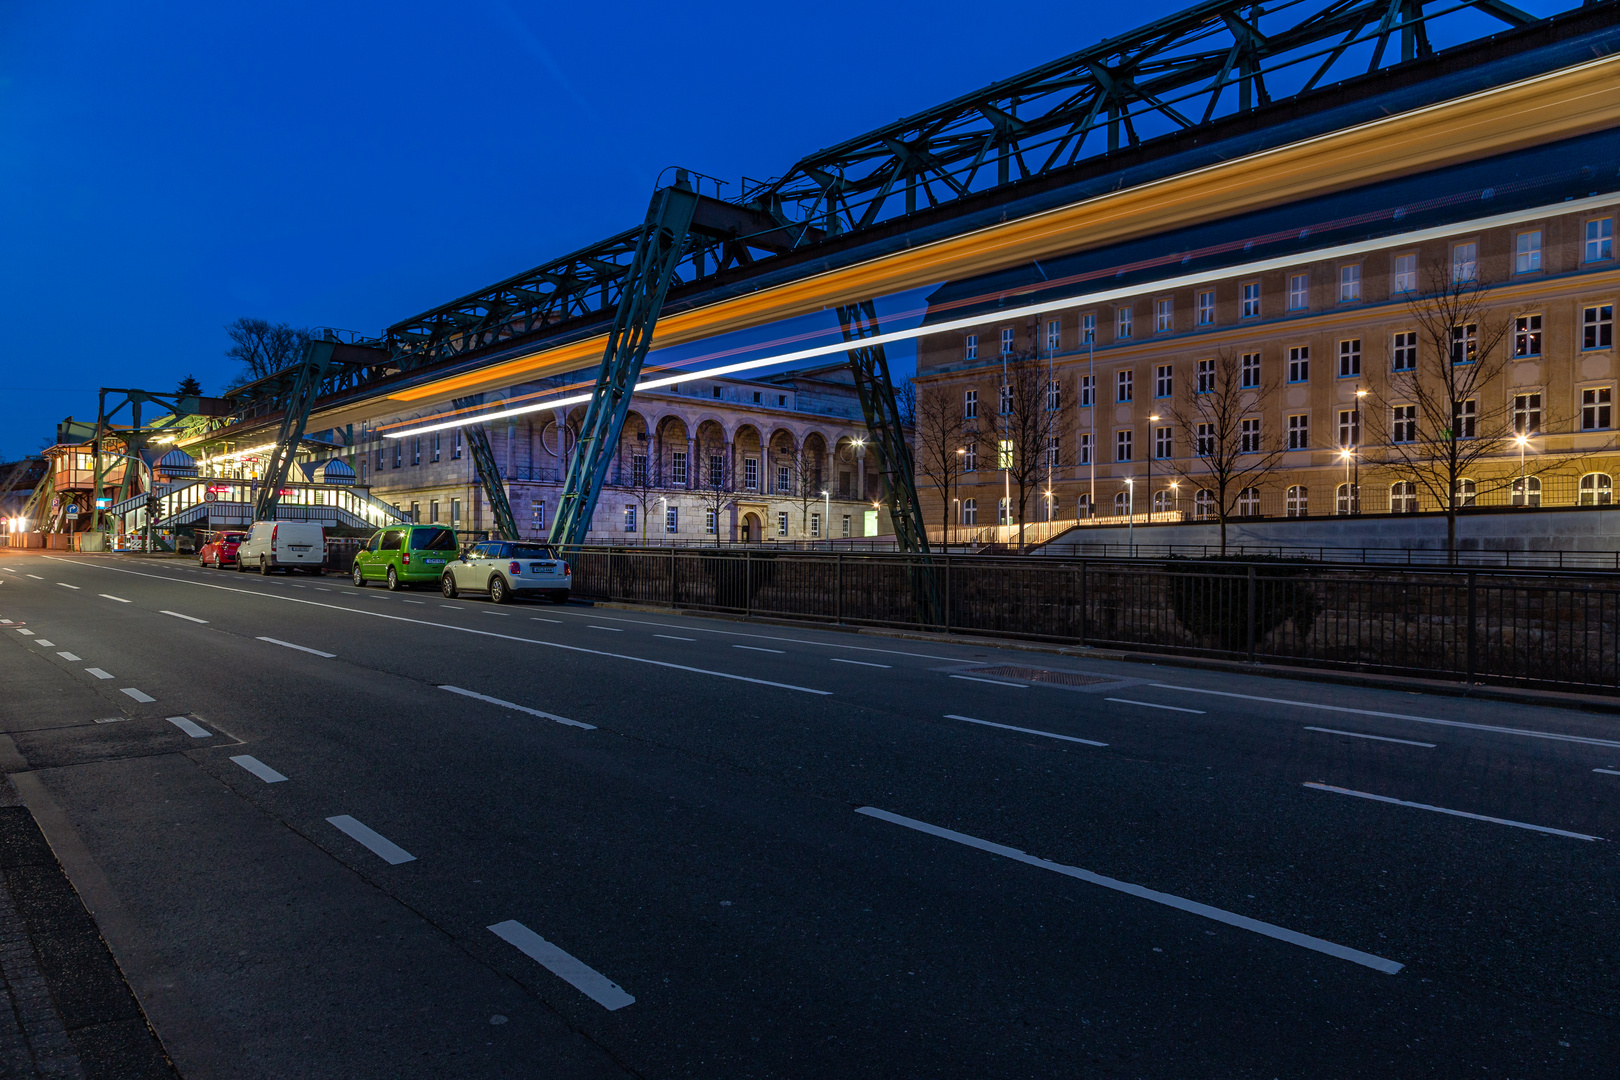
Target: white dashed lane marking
point(379, 845)
point(1025, 730)
point(575, 972)
point(65, 585)
point(138, 695)
point(300, 648)
point(188, 618)
point(1452, 813)
point(259, 768)
point(185, 724)
point(517, 707)
point(98, 673)
point(110, 596)
point(69, 656)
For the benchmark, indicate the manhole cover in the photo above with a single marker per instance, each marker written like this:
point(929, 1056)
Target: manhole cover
point(1064, 678)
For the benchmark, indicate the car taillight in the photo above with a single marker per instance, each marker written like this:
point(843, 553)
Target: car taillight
point(516, 568)
point(273, 530)
point(406, 558)
point(565, 570)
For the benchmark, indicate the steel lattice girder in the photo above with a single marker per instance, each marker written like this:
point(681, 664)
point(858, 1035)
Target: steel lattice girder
point(489, 475)
point(306, 385)
point(663, 238)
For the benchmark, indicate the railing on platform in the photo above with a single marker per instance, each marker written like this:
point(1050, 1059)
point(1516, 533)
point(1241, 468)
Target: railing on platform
point(1558, 631)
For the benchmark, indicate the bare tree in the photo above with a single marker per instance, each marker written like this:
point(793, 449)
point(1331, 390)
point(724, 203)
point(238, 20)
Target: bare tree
point(641, 486)
point(713, 491)
point(806, 475)
point(1444, 411)
point(1031, 421)
point(1220, 417)
point(907, 401)
point(940, 439)
point(263, 348)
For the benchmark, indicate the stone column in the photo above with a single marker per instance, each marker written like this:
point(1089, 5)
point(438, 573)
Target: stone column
point(860, 471)
point(691, 463)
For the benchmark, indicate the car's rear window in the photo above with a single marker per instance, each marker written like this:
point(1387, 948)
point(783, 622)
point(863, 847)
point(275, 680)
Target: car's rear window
point(531, 551)
point(433, 540)
point(233, 538)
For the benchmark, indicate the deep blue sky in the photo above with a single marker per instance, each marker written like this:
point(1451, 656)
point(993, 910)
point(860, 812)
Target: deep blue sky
point(165, 168)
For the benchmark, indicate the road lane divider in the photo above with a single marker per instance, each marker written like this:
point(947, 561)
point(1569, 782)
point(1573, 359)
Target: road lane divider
point(110, 596)
point(69, 656)
point(570, 969)
point(518, 708)
point(42, 641)
point(1025, 730)
point(176, 614)
point(36, 577)
point(609, 629)
point(300, 648)
point(536, 618)
point(1364, 735)
point(672, 637)
point(858, 663)
point(1529, 732)
point(139, 695)
point(1193, 907)
point(378, 844)
point(1610, 772)
point(1454, 813)
point(994, 682)
point(259, 769)
point(65, 585)
point(775, 637)
point(1154, 705)
point(190, 727)
point(24, 631)
point(756, 648)
point(98, 673)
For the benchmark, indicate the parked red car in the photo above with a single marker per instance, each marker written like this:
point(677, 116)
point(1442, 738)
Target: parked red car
point(220, 551)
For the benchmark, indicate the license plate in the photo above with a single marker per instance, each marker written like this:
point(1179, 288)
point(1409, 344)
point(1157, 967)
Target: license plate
point(541, 568)
point(434, 562)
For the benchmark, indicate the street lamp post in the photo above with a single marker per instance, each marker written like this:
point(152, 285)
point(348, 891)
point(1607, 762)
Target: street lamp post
point(1130, 510)
point(1175, 486)
point(665, 500)
point(1153, 419)
point(1524, 489)
point(961, 453)
point(1355, 443)
point(1346, 455)
point(826, 516)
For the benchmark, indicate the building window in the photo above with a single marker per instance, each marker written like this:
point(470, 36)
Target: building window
point(970, 405)
point(758, 397)
point(433, 511)
point(416, 451)
point(1298, 502)
point(1299, 292)
point(1342, 499)
point(1299, 363)
point(1251, 370)
point(783, 479)
point(1350, 358)
point(1464, 343)
point(1122, 328)
point(1597, 327)
point(380, 452)
point(781, 401)
point(1125, 502)
point(1206, 376)
point(1206, 308)
point(1299, 432)
point(715, 391)
point(1403, 497)
point(638, 470)
point(1122, 445)
point(1004, 453)
point(1527, 414)
point(1054, 396)
point(434, 450)
point(717, 471)
point(970, 459)
point(455, 511)
point(710, 519)
point(455, 447)
point(1403, 424)
point(1082, 507)
point(970, 347)
point(1125, 384)
point(1052, 447)
point(1163, 443)
point(629, 519)
point(1464, 418)
point(751, 473)
point(1163, 501)
point(1006, 341)
point(1087, 387)
point(1204, 440)
point(1003, 512)
point(1088, 327)
point(815, 526)
point(1527, 336)
point(1405, 351)
point(672, 519)
point(846, 525)
point(1251, 300)
point(1466, 492)
point(1527, 491)
point(1204, 505)
point(399, 449)
point(1349, 428)
point(416, 513)
point(1527, 252)
point(1349, 283)
point(1163, 381)
point(1599, 239)
point(1249, 435)
point(1597, 489)
point(539, 512)
point(1054, 335)
point(1162, 315)
point(677, 467)
point(970, 512)
point(782, 522)
point(1085, 449)
point(1006, 396)
point(1248, 502)
point(1464, 262)
point(1595, 408)
point(1405, 273)
point(363, 464)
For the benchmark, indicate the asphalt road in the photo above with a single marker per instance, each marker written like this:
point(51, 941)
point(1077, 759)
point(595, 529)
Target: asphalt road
point(636, 844)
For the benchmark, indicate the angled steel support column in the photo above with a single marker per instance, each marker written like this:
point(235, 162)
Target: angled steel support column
point(306, 388)
point(896, 477)
point(658, 253)
point(489, 475)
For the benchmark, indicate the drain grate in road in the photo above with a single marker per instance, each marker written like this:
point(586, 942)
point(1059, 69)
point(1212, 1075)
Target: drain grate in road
point(1062, 678)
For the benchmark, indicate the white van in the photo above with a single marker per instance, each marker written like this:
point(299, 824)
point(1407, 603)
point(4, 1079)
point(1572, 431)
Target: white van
point(282, 545)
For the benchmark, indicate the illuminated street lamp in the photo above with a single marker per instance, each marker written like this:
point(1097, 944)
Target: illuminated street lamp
point(1130, 509)
point(1347, 454)
point(1153, 419)
point(1524, 490)
point(826, 515)
point(1355, 441)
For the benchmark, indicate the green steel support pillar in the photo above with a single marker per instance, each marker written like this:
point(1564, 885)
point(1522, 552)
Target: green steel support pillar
point(306, 388)
point(489, 475)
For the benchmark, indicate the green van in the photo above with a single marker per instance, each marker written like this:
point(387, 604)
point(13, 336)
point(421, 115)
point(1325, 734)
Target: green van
point(405, 555)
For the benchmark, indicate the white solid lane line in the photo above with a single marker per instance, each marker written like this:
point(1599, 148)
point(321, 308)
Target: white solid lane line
point(1399, 716)
point(1025, 730)
point(65, 585)
point(380, 846)
point(69, 656)
point(672, 637)
point(138, 695)
point(756, 648)
point(1243, 922)
point(841, 660)
point(1610, 772)
point(176, 614)
point(1152, 705)
point(1362, 735)
point(185, 724)
point(1453, 813)
point(997, 682)
point(300, 648)
point(469, 630)
point(518, 708)
point(258, 768)
point(575, 972)
point(98, 673)
point(110, 596)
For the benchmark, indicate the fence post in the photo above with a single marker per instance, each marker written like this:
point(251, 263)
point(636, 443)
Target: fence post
point(610, 573)
point(1085, 608)
point(1251, 614)
point(1473, 656)
point(838, 594)
point(748, 582)
point(671, 577)
point(945, 601)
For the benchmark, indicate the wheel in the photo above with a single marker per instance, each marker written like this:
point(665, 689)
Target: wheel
point(241, 567)
point(393, 580)
point(498, 590)
point(447, 585)
point(201, 561)
point(357, 577)
point(264, 566)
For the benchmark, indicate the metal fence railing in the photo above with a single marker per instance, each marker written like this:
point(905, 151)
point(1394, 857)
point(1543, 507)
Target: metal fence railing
point(1550, 630)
